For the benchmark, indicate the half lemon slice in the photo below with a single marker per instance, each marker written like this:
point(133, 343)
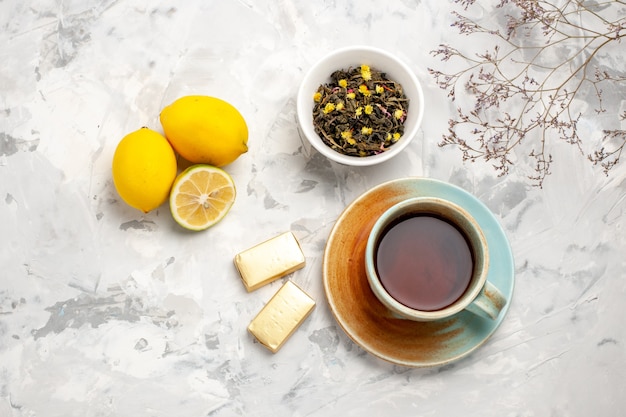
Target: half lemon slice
point(201, 196)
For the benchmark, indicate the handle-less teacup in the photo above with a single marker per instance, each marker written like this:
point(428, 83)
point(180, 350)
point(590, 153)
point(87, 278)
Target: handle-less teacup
point(427, 259)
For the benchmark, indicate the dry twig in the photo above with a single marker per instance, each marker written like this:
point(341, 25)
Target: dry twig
point(546, 58)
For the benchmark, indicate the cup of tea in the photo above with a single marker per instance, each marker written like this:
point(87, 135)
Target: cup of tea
point(427, 259)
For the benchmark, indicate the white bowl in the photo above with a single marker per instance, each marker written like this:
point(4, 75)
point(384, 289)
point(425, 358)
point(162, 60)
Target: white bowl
point(356, 56)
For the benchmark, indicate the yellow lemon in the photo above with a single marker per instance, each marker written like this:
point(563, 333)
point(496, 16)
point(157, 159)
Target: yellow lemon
point(201, 196)
point(144, 168)
point(205, 130)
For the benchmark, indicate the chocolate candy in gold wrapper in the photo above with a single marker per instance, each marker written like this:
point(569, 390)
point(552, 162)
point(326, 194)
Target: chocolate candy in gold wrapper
point(281, 316)
point(269, 260)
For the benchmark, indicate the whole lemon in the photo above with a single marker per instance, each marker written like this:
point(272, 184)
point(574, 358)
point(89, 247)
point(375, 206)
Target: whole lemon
point(205, 130)
point(144, 168)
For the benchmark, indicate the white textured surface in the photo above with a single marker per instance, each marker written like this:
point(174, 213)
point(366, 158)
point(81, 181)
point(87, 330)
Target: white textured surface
point(108, 312)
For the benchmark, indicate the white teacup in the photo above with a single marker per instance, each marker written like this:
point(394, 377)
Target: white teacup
point(427, 259)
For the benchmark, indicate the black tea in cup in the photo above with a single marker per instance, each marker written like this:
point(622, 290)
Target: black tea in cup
point(424, 261)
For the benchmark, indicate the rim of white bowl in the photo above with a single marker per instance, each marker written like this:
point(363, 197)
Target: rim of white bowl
point(320, 73)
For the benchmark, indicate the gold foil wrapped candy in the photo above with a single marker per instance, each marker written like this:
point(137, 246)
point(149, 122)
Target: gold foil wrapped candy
point(269, 260)
point(281, 316)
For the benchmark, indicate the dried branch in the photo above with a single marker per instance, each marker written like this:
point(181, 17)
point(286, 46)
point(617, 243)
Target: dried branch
point(546, 58)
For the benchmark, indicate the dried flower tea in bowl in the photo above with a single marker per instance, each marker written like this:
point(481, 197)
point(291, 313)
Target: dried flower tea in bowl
point(361, 112)
point(353, 106)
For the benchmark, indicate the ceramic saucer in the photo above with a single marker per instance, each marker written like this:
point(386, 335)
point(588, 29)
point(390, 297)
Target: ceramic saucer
point(366, 321)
